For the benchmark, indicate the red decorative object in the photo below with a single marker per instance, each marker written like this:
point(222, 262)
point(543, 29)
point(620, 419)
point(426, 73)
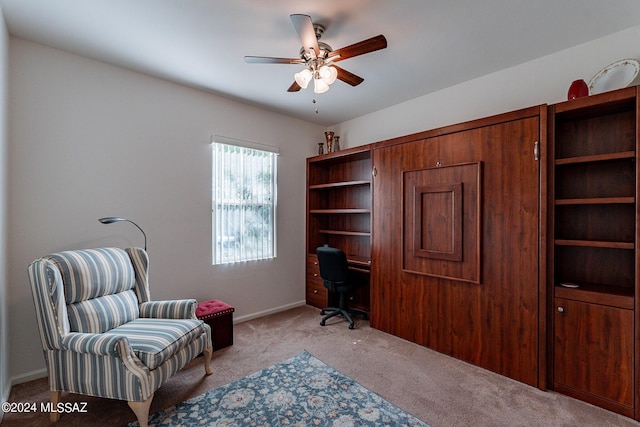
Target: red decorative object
point(219, 316)
point(578, 89)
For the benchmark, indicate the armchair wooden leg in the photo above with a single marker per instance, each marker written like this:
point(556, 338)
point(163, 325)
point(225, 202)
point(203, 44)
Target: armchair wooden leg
point(55, 399)
point(141, 409)
point(207, 360)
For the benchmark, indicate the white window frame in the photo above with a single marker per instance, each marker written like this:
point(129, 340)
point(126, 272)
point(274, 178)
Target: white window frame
point(227, 249)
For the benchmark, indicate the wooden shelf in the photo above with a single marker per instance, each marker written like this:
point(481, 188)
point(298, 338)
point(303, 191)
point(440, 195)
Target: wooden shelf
point(593, 195)
point(596, 158)
point(345, 233)
point(359, 261)
point(594, 244)
point(598, 294)
point(339, 184)
point(340, 211)
point(596, 201)
point(347, 155)
point(595, 105)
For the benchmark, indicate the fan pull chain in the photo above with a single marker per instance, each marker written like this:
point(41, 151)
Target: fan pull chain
point(315, 101)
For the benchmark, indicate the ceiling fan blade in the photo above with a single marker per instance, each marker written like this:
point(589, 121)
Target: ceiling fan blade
point(270, 60)
point(295, 87)
point(360, 48)
point(304, 27)
point(348, 77)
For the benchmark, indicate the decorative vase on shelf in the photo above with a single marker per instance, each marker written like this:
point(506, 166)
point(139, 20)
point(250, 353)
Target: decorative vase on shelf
point(329, 136)
point(578, 89)
point(320, 147)
point(336, 143)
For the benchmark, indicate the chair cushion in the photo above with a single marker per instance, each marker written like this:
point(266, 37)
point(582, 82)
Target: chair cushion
point(92, 273)
point(101, 314)
point(156, 340)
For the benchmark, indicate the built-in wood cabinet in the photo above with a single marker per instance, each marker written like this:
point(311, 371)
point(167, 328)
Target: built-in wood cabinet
point(593, 260)
point(339, 215)
point(594, 353)
point(455, 254)
point(316, 293)
point(509, 242)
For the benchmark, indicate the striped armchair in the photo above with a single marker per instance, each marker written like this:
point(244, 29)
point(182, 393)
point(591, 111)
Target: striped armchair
point(101, 333)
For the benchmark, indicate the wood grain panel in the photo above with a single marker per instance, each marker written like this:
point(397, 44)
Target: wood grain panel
point(437, 221)
point(339, 215)
point(605, 339)
point(494, 325)
point(316, 293)
point(441, 228)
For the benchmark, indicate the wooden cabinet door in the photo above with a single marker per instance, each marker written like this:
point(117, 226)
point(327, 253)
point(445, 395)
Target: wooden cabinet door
point(593, 354)
point(488, 316)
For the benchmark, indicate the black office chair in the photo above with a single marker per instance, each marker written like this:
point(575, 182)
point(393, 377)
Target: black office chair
point(334, 271)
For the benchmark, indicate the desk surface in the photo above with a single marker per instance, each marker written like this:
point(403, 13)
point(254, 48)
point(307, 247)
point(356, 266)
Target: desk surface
point(362, 262)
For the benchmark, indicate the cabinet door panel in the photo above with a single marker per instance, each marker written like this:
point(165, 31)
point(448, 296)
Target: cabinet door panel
point(594, 350)
point(491, 321)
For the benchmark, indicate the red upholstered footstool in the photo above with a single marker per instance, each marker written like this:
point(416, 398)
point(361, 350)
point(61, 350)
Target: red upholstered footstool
point(219, 316)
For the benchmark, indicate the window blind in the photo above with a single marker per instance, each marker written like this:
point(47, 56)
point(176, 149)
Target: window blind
point(244, 202)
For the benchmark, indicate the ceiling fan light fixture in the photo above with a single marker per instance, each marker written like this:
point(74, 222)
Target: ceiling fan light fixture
point(328, 74)
point(303, 78)
point(318, 57)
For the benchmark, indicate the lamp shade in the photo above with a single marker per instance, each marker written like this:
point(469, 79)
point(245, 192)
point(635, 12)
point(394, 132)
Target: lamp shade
point(328, 74)
point(303, 78)
point(319, 86)
point(112, 219)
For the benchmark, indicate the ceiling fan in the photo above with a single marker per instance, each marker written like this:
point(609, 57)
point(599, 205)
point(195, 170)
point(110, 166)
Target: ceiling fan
point(318, 57)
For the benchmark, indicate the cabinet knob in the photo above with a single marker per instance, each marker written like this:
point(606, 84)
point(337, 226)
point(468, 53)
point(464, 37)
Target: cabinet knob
point(315, 263)
point(560, 309)
point(315, 274)
point(315, 291)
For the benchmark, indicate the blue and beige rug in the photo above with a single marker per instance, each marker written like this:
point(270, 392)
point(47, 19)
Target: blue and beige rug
point(301, 391)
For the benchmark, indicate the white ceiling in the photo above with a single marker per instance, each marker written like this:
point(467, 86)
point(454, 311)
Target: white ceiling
point(431, 44)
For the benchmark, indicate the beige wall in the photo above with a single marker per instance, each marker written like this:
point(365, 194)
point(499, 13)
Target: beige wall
point(544, 80)
point(91, 140)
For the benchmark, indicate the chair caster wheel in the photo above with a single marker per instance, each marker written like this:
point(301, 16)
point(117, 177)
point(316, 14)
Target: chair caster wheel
point(350, 326)
point(322, 323)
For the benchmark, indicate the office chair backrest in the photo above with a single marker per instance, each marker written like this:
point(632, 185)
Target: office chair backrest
point(333, 264)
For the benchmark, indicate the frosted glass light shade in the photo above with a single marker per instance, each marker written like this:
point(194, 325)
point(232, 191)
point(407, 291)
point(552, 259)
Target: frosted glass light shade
point(303, 78)
point(328, 74)
point(319, 86)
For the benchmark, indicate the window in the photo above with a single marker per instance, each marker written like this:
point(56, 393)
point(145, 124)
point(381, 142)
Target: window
point(244, 201)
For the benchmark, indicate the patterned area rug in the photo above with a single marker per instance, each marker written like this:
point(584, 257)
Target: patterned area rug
point(301, 391)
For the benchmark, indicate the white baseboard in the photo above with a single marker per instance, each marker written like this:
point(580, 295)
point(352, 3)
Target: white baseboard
point(29, 376)
point(252, 316)
point(4, 396)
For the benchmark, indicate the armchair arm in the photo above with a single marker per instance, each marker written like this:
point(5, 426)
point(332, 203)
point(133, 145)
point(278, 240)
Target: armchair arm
point(173, 309)
point(98, 344)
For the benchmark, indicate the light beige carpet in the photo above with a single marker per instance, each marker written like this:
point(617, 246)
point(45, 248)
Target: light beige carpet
point(439, 390)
